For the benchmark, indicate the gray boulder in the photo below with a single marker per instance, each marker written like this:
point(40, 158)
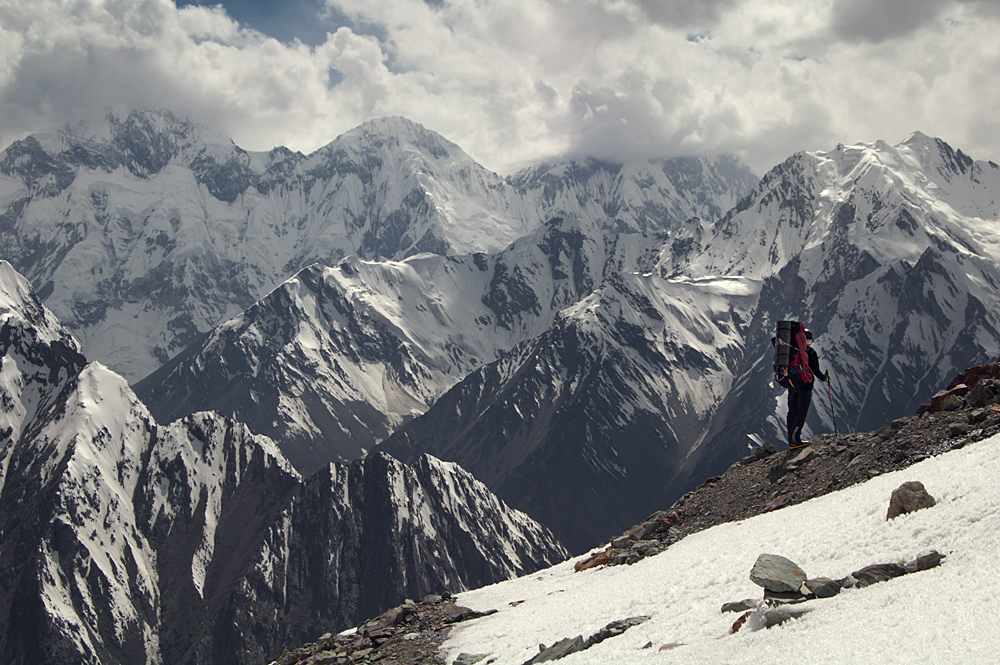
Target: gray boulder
point(777, 573)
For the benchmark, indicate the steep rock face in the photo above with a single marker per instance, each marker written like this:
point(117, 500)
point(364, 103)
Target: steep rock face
point(145, 232)
point(196, 542)
point(897, 283)
point(644, 197)
point(583, 426)
point(361, 537)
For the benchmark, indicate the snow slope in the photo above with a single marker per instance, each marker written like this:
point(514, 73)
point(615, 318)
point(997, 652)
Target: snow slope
point(942, 616)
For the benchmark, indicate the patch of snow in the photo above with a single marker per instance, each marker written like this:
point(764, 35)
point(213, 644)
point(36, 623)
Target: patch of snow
point(942, 616)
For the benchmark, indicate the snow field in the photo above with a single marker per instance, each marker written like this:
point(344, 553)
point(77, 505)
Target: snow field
point(940, 616)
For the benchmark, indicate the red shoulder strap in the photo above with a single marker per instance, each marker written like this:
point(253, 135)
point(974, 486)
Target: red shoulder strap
point(801, 358)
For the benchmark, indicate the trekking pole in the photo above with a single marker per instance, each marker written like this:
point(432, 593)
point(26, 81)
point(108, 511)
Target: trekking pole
point(829, 390)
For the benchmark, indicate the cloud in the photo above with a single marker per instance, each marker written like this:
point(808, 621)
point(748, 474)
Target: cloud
point(516, 81)
point(865, 20)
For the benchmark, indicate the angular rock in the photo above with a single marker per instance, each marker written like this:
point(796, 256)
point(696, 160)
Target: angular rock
point(323, 658)
point(952, 402)
point(983, 393)
point(457, 614)
point(560, 649)
point(978, 416)
point(599, 559)
point(958, 429)
point(614, 629)
point(777, 573)
point(779, 502)
point(740, 605)
point(787, 597)
point(470, 658)
point(823, 587)
point(925, 561)
point(398, 615)
point(879, 572)
point(908, 497)
point(776, 616)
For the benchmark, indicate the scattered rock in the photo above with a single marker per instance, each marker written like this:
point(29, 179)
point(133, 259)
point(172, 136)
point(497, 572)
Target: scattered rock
point(740, 605)
point(984, 393)
point(470, 658)
point(599, 559)
point(570, 645)
point(908, 497)
point(766, 616)
point(959, 429)
point(671, 645)
point(823, 587)
point(776, 573)
point(787, 597)
point(560, 649)
point(924, 561)
point(410, 634)
point(879, 572)
point(456, 614)
point(779, 615)
point(779, 502)
point(614, 629)
point(834, 462)
point(949, 399)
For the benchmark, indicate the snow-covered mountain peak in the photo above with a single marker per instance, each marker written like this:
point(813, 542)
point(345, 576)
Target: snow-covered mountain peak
point(892, 201)
point(19, 300)
point(401, 133)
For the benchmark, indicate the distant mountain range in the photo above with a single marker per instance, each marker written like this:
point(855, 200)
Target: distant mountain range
point(145, 232)
point(587, 340)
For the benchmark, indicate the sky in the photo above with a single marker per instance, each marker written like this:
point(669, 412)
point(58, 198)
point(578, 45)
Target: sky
point(943, 616)
point(516, 81)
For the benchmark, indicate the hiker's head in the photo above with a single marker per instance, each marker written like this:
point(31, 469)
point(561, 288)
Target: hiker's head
point(809, 337)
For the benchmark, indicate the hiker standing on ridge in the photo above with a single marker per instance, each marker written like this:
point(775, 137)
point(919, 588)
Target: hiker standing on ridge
point(800, 397)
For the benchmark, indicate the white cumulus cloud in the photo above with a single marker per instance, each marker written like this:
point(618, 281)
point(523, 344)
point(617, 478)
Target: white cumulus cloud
point(514, 81)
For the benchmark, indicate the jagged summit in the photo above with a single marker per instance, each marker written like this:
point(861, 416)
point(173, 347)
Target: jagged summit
point(144, 232)
point(401, 131)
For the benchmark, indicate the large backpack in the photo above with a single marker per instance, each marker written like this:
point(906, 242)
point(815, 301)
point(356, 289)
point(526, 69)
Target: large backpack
point(791, 362)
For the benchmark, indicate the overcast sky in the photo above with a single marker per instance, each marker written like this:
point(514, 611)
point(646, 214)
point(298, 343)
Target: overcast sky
point(514, 81)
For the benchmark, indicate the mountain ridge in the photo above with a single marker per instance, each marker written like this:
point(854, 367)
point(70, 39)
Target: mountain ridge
point(131, 541)
point(144, 233)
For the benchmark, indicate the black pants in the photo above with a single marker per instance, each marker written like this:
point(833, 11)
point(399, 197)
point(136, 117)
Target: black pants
point(798, 408)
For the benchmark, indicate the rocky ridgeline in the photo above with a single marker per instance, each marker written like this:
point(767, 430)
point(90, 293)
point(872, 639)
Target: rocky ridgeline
point(408, 634)
point(965, 412)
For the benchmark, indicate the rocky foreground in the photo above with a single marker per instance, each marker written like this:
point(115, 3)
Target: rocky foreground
point(965, 412)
